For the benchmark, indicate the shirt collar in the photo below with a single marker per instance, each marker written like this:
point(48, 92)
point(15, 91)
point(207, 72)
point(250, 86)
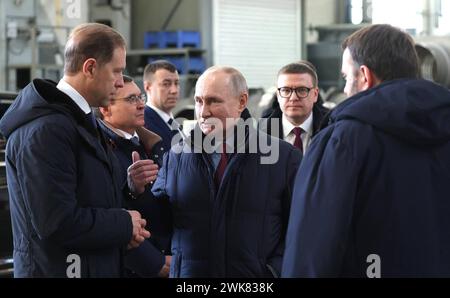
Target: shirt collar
point(81, 102)
point(307, 126)
point(120, 132)
point(165, 116)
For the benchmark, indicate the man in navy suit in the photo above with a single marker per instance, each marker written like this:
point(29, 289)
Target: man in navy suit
point(161, 83)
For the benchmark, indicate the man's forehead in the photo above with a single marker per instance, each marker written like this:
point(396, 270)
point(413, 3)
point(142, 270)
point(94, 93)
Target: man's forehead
point(301, 77)
point(127, 89)
point(164, 74)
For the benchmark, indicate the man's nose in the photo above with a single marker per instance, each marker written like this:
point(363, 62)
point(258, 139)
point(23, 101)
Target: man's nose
point(294, 96)
point(140, 105)
point(174, 88)
point(205, 111)
point(119, 82)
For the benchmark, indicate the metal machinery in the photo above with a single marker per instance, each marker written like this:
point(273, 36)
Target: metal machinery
point(33, 34)
point(434, 56)
point(32, 38)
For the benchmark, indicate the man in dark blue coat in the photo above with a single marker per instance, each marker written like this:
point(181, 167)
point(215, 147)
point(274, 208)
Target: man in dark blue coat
point(65, 198)
point(371, 197)
point(122, 122)
point(229, 186)
point(162, 86)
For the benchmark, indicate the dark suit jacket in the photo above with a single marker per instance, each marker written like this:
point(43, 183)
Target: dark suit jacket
point(156, 124)
point(148, 259)
point(319, 114)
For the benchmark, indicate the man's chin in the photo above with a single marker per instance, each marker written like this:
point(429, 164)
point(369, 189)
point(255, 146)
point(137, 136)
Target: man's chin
point(105, 103)
point(206, 130)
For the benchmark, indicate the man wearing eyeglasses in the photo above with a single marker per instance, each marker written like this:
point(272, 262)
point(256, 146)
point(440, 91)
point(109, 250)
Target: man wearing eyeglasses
point(122, 121)
point(299, 114)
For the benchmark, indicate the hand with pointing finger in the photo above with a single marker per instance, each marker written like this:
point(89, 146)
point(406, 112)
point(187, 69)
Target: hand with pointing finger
point(141, 173)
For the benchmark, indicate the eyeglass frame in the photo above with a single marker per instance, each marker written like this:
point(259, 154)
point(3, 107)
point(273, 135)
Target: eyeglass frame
point(134, 99)
point(292, 90)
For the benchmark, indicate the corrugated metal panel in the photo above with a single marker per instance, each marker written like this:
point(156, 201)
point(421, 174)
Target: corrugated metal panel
point(257, 37)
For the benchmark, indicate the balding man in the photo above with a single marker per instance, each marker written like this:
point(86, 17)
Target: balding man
point(230, 206)
point(63, 182)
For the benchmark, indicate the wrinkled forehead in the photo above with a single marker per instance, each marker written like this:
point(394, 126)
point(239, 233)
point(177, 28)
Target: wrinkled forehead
point(211, 82)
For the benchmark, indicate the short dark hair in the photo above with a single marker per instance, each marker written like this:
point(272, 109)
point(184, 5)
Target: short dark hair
point(153, 67)
point(301, 67)
point(91, 40)
point(387, 51)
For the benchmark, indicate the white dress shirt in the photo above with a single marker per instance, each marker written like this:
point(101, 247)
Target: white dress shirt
point(164, 116)
point(63, 86)
point(289, 136)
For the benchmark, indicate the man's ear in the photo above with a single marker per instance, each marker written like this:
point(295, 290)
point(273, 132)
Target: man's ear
point(89, 67)
point(243, 99)
point(315, 94)
point(106, 112)
point(147, 86)
point(368, 79)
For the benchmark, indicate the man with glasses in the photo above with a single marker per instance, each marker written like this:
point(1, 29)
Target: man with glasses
point(162, 85)
point(122, 122)
point(299, 114)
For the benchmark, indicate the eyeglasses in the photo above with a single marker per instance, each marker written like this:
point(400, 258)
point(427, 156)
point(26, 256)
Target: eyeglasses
point(134, 99)
point(302, 92)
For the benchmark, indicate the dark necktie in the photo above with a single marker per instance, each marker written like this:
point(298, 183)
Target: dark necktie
point(91, 118)
point(298, 139)
point(174, 125)
point(135, 141)
point(221, 167)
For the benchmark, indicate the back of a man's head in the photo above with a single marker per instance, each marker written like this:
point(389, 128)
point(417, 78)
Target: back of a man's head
point(153, 67)
point(91, 40)
point(387, 51)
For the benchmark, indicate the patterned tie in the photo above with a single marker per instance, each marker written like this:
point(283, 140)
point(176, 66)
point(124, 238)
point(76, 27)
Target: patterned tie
point(298, 139)
point(221, 167)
